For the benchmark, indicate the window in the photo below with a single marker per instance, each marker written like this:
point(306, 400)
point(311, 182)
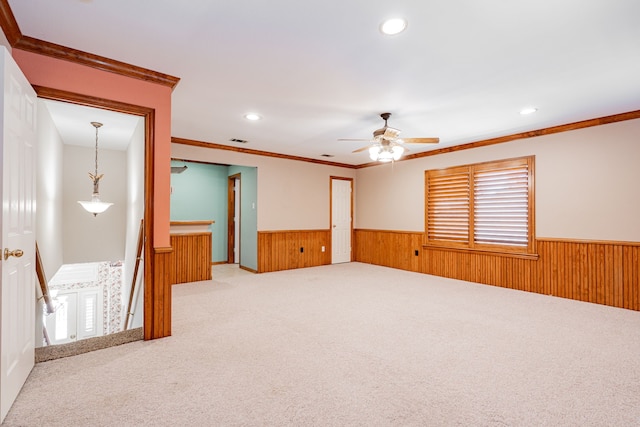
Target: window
point(485, 206)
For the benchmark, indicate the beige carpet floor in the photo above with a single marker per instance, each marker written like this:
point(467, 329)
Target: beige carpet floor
point(353, 345)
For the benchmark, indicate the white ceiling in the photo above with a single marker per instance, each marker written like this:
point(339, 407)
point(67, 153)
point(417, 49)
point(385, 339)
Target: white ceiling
point(73, 123)
point(321, 70)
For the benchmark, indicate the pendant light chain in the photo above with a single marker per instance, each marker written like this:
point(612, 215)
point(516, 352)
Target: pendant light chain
point(96, 177)
point(96, 149)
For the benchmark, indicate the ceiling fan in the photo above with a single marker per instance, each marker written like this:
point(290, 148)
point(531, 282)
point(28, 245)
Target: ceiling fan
point(386, 144)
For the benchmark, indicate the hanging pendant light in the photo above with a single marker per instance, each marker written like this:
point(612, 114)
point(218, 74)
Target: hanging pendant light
point(95, 206)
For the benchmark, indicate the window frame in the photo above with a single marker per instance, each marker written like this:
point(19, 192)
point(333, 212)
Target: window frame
point(470, 170)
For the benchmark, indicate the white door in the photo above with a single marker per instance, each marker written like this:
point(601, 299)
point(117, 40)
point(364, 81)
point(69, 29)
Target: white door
point(340, 220)
point(78, 315)
point(62, 323)
point(18, 300)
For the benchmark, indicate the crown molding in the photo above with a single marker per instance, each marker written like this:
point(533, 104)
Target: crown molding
point(8, 23)
point(102, 63)
point(214, 146)
point(17, 40)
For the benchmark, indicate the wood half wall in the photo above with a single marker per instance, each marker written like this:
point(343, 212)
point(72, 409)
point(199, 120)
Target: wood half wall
point(285, 250)
point(601, 272)
point(191, 257)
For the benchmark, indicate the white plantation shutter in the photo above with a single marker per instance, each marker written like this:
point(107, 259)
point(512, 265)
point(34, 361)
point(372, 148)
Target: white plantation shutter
point(486, 206)
point(448, 205)
point(501, 205)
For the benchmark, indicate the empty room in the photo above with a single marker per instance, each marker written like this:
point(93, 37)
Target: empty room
point(421, 213)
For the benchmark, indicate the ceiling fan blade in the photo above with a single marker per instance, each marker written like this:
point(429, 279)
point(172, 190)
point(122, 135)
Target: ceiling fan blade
point(354, 139)
point(362, 148)
point(420, 140)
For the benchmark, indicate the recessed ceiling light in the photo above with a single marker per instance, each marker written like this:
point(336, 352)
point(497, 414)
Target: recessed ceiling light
point(393, 26)
point(528, 110)
point(252, 116)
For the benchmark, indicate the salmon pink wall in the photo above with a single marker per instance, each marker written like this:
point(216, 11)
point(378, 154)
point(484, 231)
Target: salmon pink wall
point(64, 75)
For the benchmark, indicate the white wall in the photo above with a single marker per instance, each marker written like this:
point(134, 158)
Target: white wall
point(586, 184)
point(292, 195)
point(49, 158)
point(4, 42)
point(135, 213)
point(88, 238)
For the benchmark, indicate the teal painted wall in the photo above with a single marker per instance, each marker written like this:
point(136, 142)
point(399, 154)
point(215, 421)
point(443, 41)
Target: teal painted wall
point(249, 215)
point(200, 193)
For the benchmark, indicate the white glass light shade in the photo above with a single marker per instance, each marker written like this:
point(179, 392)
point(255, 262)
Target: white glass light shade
point(95, 206)
point(373, 152)
point(397, 152)
point(385, 154)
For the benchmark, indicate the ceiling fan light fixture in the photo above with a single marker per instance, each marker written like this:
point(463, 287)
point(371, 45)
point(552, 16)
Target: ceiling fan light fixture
point(393, 26)
point(385, 153)
point(386, 146)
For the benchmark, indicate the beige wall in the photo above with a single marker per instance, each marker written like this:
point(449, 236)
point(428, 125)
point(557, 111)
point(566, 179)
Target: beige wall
point(135, 212)
point(292, 195)
point(49, 158)
point(587, 184)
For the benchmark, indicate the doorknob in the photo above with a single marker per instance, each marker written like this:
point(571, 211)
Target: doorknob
point(16, 253)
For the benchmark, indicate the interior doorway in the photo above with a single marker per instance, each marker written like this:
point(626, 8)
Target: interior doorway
point(223, 194)
point(103, 309)
point(233, 218)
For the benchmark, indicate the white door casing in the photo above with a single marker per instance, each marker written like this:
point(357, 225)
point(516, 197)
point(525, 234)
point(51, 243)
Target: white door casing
point(236, 219)
point(340, 220)
point(18, 301)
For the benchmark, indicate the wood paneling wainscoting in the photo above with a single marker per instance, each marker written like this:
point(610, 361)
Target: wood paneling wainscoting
point(157, 297)
point(188, 259)
point(191, 257)
point(281, 250)
point(602, 272)
point(395, 249)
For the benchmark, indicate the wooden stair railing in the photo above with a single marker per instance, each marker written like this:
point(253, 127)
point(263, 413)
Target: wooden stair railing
point(135, 273)
point(44, 285)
